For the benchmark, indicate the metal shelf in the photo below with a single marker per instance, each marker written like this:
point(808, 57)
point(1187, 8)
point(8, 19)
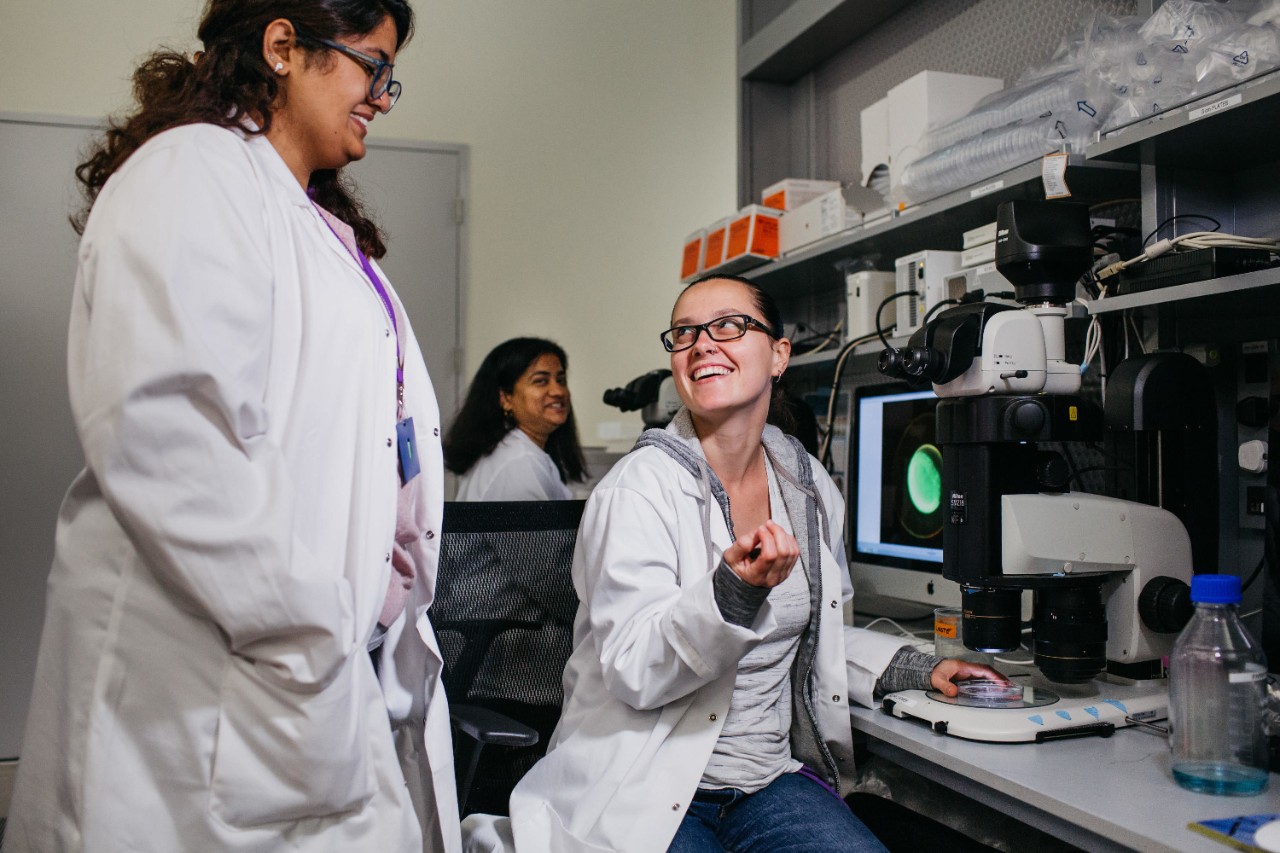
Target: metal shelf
point(807, 33)
point(935, 224)
point(1233, 285)
point(1223, 131)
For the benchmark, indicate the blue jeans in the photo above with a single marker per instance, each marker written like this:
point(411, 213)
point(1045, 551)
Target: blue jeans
point(793, 814)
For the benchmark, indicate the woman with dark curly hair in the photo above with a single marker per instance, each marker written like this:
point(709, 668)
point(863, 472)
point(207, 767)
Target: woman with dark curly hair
point(263, 478)
point(515, 438)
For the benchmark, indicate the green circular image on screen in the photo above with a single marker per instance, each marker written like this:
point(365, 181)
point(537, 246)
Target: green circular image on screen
point(914, 484)
point(924, 479)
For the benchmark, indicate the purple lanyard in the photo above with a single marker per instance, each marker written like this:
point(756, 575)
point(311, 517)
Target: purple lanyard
point(381, 290)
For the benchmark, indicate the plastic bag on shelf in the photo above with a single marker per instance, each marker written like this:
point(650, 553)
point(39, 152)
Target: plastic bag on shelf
point(994, 151)
point(1050, 87)
point(1182, 32)
point(1235, 55)
point(1267, 13)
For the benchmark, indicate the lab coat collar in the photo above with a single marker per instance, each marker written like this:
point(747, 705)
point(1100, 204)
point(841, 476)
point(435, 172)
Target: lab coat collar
point(275, 168)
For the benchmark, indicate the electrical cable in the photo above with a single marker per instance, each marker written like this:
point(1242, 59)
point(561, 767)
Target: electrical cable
point(1253, 576)
point(1216, 224)
point(935, 307)
point(1193, 240)
point(914, 635)
point(824, 449)
point(880, 310)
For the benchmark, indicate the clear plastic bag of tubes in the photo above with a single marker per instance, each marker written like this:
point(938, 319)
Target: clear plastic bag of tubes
point(1105, 73)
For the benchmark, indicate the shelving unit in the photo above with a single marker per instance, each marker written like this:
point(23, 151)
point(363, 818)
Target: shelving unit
point(935, 224)
point(1248, 291)
point(1232, 128)
point(805, 34)
point(811, 66)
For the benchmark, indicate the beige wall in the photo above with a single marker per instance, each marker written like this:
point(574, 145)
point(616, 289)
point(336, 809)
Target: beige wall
point(601, 133)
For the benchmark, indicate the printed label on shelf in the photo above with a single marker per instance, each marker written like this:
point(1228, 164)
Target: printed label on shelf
point(986, 189)
point(1215, 107)
point(1053, 171)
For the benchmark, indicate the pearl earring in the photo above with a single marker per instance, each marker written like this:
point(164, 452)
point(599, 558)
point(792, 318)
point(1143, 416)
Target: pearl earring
point(279, 67)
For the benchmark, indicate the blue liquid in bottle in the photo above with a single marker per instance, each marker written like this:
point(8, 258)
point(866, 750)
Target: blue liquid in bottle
point(1217, 688)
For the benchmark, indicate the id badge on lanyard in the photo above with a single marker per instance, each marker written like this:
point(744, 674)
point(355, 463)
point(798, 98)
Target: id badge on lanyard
point(406, 438)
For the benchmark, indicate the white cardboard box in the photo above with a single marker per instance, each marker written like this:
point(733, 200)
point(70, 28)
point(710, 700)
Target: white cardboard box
point(978, 236)
point(790, 193)
point(875, 138)
point(820, 217)
point(978, 255)
point(926, 99)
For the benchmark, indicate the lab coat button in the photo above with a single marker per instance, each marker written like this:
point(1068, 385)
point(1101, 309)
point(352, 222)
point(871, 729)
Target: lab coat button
point(431, 534)
point(675, 807)
point(835, 603)
point(712, 718)
point(835, 698)
point(389, 442)
point(435, 431)
point(386, 333)
point(387, 558)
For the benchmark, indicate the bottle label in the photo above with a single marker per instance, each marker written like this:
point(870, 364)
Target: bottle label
point(1253, 672)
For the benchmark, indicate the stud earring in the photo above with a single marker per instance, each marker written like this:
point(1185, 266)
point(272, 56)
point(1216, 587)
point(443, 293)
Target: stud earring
point(279, 67)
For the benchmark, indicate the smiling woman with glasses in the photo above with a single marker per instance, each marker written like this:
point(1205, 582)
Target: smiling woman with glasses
point(241, 568)
point(707, 696)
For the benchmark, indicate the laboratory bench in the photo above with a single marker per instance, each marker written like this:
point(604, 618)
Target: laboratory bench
point(1099, 794)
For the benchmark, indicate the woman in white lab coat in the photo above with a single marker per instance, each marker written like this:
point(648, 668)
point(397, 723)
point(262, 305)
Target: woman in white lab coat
point(706, 699)
point(515, 437)
point(254, 413)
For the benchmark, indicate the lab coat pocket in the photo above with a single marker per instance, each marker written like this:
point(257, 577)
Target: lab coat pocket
point(280, 755)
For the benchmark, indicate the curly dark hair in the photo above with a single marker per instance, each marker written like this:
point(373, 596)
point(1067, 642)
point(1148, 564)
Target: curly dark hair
point(230, 81)
point(480, 424)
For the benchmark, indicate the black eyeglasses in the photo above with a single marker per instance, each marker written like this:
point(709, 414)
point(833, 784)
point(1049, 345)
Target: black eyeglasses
point(727, 328)
point(380, 82)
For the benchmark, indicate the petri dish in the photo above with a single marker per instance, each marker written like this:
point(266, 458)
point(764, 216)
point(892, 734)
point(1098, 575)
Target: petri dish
point(988, 693)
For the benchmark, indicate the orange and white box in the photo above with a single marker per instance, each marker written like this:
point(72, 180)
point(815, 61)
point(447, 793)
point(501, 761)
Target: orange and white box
point(691, 259)
point(714, 245)
point(790, 193)
point(753, 233)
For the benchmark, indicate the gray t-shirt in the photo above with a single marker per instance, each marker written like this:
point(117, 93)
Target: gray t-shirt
point(755, 744)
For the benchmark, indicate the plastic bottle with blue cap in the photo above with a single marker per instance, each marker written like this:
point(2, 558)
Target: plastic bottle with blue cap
point(1217, 689)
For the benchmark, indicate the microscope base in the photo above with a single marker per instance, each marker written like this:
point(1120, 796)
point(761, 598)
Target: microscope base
point(1097, 707)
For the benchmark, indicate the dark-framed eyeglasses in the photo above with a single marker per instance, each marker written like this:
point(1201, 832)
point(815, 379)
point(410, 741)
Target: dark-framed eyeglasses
point(380, 80)
point(727, 328)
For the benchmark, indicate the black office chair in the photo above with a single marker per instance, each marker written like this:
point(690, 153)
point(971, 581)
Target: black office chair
point(503, 615)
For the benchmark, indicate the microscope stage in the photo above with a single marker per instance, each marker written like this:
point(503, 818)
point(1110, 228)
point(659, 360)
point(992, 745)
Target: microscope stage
point(1049, 711)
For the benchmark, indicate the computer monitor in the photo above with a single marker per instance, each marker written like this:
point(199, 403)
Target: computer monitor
point(896, 505)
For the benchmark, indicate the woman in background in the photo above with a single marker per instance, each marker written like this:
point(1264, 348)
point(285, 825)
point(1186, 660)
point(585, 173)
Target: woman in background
point(244, 528)
point(515, 438)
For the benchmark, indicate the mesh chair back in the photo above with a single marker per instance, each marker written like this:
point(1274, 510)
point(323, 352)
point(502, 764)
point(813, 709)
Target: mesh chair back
point(503, 615)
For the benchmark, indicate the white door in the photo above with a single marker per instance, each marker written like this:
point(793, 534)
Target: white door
point(417, 192)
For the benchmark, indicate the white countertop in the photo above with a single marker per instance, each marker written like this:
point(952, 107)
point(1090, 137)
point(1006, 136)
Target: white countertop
point(1098, 793)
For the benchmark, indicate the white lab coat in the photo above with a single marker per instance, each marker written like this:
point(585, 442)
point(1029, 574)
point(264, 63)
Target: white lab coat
point(203, 681)
point(649, 681)
point(515, 470)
